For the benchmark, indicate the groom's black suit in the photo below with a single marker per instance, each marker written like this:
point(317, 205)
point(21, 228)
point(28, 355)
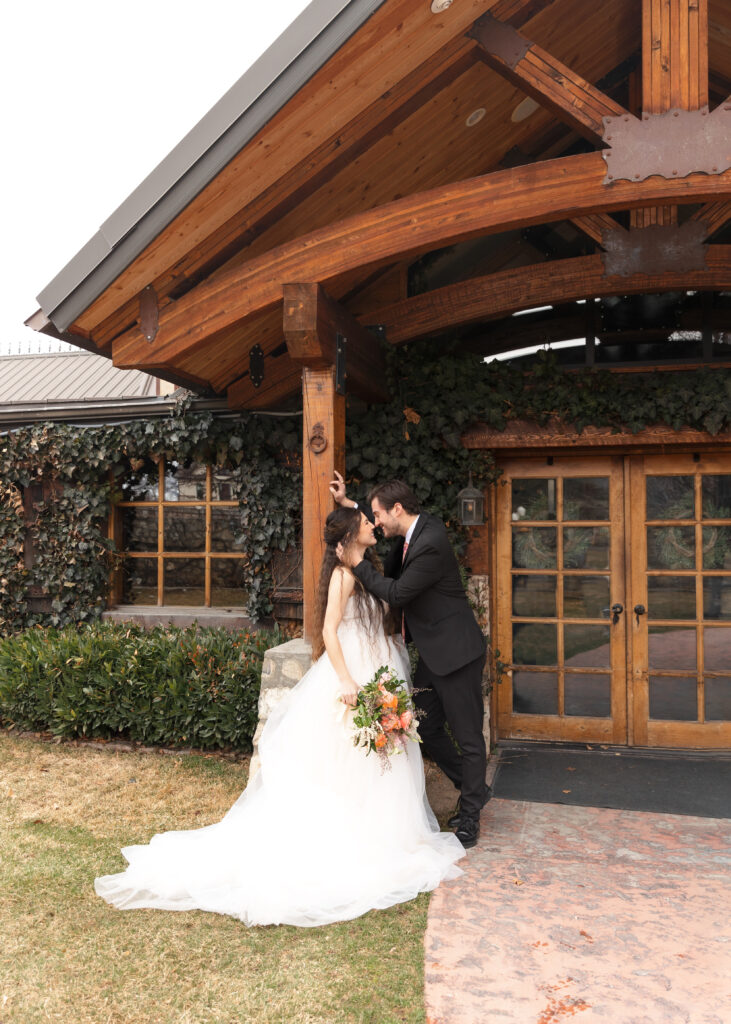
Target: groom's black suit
point(438, 618)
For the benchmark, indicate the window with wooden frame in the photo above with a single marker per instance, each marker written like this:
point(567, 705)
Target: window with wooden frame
point(179, 529)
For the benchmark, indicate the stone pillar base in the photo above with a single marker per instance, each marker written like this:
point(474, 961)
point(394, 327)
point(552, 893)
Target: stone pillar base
point(282, 669)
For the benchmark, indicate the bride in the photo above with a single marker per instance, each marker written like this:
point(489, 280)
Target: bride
point(321, 833)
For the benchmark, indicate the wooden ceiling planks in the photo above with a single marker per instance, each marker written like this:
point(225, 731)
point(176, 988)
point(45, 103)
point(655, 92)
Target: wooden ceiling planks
point(541, 75)
point(250, 224)
point(398, 38)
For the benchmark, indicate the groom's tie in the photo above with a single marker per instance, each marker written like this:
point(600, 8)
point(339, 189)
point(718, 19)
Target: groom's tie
point(403, 617)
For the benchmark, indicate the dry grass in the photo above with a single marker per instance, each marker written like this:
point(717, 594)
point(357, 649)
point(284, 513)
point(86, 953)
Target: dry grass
point(66, 956)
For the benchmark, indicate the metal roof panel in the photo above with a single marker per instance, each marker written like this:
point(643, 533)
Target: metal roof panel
point(68, 376)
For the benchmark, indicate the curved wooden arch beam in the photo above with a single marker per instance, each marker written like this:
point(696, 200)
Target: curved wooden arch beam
point(517, 197)
point(497, 295)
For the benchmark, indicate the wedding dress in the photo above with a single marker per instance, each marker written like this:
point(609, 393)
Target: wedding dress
point(320, 834)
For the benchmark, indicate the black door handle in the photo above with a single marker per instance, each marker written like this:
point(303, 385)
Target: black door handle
point(617, 610)
point(639, 609)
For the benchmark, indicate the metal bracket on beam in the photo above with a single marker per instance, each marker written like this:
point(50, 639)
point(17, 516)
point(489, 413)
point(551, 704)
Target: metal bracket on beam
point(673, 145)
point(149, 313)
point(655, 249)
point(340, 374)
point(500, 40)
point(256, 365)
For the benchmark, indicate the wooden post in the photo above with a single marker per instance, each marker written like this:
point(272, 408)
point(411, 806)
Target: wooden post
point(323, 450)
point(674, 72)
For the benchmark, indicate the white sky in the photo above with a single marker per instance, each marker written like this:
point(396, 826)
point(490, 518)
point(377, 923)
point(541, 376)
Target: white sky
point(94, 96)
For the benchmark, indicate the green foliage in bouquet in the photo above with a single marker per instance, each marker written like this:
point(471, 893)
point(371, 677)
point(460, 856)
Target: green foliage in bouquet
point(172, 687)
point(384, 716)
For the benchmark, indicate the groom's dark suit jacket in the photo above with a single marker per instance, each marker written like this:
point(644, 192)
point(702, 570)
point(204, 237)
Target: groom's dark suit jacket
point(428, 588)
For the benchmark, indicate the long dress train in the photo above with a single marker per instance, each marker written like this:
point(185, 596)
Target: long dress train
point(320, 834)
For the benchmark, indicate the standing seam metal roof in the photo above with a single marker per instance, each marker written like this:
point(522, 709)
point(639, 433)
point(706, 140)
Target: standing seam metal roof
point(318, 32)
point(69, 376)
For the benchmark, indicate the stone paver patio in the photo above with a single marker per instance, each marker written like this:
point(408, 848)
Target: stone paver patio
point(584, 914)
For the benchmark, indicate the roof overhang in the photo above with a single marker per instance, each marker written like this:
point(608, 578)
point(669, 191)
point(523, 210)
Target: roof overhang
point(317, 33)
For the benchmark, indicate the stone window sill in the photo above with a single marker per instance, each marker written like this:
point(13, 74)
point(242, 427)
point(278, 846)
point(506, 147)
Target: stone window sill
point(181, 616)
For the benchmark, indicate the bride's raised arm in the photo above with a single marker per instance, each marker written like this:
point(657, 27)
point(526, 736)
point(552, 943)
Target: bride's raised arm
point(341, 587)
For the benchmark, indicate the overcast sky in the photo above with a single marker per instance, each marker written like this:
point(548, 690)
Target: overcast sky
point(94, 95)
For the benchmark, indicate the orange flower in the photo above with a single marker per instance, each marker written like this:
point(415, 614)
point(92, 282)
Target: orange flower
point(390, 722)
point(380, 741)
point(405, 719)
point(389, 700)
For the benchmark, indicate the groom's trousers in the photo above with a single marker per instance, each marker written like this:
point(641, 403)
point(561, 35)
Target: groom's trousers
point(455, 700)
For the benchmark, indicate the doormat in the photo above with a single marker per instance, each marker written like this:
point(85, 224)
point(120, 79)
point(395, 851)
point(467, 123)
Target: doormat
point(666, 784)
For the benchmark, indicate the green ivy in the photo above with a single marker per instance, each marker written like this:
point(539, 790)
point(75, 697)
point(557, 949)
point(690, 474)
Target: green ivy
point(437, 393)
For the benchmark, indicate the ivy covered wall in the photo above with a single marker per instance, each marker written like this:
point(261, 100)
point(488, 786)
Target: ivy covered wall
point(436, 393)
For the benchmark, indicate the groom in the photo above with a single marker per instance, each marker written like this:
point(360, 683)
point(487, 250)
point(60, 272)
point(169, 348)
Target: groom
point(422, 579)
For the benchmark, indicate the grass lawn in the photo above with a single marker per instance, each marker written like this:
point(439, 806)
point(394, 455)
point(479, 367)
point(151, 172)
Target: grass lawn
point(66, 956)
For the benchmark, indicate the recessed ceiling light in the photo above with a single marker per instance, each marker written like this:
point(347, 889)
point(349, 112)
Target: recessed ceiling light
point(437, 6)
point(475, 117)
point(524, 109)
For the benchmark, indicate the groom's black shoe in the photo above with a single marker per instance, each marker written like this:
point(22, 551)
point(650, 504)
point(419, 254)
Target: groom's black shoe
point(468, 832)
point(457, 816)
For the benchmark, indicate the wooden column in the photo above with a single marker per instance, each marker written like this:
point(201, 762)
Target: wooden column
point(323, 450)
point(674, 72)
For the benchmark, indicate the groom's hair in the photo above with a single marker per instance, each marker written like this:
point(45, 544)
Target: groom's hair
point(395, 491)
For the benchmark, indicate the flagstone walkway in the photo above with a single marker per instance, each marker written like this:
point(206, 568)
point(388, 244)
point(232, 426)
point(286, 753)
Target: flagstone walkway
point(584, 914)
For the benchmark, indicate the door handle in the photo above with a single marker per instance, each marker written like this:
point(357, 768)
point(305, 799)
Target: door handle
point(639, 609)
point(617, 610)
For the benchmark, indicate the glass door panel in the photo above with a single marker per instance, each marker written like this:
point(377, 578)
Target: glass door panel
point(561, 620)
point(680, 615)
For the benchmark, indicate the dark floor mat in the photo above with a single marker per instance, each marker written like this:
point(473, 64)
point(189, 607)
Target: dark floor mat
point(667, 784)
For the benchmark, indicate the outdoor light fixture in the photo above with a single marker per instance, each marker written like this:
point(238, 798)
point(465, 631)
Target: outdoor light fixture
point(437, 6)
point(524, 110)
point(475, 117)
point(471, 505)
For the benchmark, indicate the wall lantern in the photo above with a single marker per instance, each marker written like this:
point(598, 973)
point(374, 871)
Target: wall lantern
point(471, 505)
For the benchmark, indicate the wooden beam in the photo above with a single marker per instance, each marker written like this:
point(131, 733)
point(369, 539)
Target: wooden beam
point(674, 71)
point(533, 194)
point(282, 382)
point(488, 298)
point(311, 324)
point(596, 225)
point(555, 86)
point(714, 215)
point(323, 451)
point(300, 182)
point(674, 55)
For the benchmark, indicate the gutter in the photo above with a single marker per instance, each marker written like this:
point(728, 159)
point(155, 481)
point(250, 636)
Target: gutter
point(302, 49)
point(101, 411)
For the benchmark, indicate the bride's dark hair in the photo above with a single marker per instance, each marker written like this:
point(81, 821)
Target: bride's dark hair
point(342, 527)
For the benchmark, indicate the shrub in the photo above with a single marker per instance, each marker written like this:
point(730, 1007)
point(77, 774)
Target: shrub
point(169, 686)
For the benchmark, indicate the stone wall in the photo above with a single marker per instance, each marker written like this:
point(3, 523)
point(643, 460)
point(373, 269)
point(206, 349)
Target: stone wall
point(283, 668)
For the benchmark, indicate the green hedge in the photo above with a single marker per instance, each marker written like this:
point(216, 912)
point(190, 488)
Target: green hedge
point(174, 687)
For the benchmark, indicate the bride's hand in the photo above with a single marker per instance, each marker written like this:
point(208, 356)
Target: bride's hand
point(349, 692)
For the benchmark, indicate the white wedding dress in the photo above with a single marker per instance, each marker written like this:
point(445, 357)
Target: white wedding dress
point(320, 834)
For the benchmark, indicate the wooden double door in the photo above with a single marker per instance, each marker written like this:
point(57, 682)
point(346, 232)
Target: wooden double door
point(613, 599)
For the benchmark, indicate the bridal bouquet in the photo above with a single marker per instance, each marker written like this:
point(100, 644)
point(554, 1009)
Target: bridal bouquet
point(384, 716)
